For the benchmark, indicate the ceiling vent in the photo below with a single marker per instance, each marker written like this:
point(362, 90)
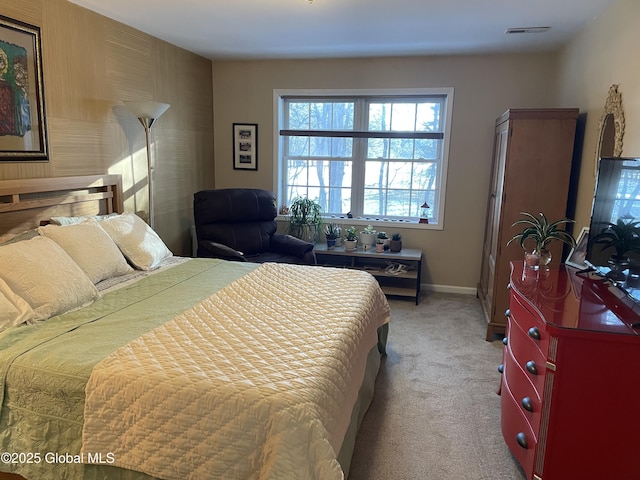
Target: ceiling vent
point(527, 30)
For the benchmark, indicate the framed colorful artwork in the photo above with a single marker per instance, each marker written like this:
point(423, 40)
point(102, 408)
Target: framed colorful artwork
point(23, 132)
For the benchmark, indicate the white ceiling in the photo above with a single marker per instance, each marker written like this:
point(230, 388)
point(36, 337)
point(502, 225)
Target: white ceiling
point(253, 29)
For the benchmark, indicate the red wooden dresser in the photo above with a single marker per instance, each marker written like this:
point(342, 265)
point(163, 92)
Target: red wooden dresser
point(570, 389)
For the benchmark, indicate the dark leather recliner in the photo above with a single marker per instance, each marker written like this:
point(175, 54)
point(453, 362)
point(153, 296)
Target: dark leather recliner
point(239, 224)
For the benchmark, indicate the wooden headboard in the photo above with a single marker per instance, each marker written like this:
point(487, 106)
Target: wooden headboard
point(28, 203)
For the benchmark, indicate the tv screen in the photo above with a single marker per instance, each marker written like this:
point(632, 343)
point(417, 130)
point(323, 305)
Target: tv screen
point(617, 196)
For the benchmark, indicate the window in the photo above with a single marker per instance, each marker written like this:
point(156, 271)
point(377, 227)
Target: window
point(378, 155)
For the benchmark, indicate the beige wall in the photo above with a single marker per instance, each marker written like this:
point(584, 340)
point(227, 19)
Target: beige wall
point(485, 86)
point(91, 64)
point(604, 53)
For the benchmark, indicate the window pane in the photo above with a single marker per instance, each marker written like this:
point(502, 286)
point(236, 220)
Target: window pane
point(427, 149)
point(401, 148)
point(342, 147)
point(298, 146)
point(377, 148)
point(403, 117)
point(375, 201)
point(298, 116)
point(424, 176)
point(343, 116)
point(400, 175)
point(379, 117)
point(375, 174)
point(320, 146)
point(398, 203)
point(297, 172)
point(428, 117)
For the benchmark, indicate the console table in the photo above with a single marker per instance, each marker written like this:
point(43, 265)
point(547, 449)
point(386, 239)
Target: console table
point(570, 377)
point(405, 284)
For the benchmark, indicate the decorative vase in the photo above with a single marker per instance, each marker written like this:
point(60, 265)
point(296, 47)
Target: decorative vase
point(395, 245)
point(350, 245)
point(537, 259)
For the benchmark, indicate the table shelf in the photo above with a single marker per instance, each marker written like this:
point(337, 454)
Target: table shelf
point(406, 284)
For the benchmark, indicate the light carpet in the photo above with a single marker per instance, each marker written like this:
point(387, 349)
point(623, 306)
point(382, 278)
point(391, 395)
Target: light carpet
point(435, 413)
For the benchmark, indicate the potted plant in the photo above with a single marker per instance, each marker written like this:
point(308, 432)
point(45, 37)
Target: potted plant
point(332, 232)
point(380, 245)
point(624, 237)
point(539, 231)
point(395, 245)
point(350, 239)
point(368, 237)
point(305, 218)
point(385, 239)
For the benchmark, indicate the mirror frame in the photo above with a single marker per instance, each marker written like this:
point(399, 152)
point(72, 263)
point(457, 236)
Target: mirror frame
point(612, 110)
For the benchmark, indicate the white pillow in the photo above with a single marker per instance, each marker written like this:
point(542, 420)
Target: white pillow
point(13, 309)
point(41, 272)
point(90, 247)
point(137, 241)
point(82, 218)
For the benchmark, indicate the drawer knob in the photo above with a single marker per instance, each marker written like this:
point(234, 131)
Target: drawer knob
point(509, 286)
point(507, 313)
point(527, 404)
point(505, 341)
point(534, 333)
point(531, 367)
point(501, 368)
point(522, 440)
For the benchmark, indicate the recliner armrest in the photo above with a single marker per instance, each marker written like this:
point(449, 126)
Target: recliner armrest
point(209, 249)
point(290, 245)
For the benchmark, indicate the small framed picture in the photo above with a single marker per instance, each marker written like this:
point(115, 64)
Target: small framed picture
point(245, 146)
point(578, 254)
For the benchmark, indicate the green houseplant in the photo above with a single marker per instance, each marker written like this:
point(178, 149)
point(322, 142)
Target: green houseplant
point(350, 239)
point(395, 245)
point(540, 231)
point(305, 218)
point(624, 237)
point(332, 232)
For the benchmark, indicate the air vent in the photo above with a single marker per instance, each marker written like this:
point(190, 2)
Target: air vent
point(527, 30)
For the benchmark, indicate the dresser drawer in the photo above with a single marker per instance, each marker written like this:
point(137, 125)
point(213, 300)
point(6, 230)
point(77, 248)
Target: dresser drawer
point(529, 323)
point(528, 356)
point(516, 432)
point(522, 390)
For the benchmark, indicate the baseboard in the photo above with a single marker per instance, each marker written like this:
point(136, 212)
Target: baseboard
point(448, 289)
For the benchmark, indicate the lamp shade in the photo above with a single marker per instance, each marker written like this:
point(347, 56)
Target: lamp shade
point(151, 110)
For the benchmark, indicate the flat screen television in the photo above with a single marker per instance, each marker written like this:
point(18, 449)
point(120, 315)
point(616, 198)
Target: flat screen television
point(617, 196)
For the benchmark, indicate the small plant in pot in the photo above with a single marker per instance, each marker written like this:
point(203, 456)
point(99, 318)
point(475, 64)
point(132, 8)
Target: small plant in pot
point(624, 237)
point(332, 232)
point(395, 245)
point(350, 239)
point(368, 237)
point(539, 231)
point(385, 239)
point(380, 245)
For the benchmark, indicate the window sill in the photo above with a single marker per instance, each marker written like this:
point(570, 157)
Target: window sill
point(378, 224)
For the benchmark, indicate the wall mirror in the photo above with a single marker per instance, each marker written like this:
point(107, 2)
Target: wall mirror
point(611, 127)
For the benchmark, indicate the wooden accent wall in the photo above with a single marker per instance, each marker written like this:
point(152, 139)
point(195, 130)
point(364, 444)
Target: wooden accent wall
point(91, 65)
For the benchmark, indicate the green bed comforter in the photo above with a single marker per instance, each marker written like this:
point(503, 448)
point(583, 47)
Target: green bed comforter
point(44, 367)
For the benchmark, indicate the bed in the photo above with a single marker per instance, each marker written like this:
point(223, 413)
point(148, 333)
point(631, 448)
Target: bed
point(171, 368)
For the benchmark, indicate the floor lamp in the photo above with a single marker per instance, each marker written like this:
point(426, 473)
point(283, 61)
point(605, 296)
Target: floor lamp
point(148, 113)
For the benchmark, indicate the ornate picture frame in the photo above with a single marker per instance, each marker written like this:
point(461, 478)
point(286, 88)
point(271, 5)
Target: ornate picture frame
point(610, 127)
point(245, 146)
point(23, 132)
